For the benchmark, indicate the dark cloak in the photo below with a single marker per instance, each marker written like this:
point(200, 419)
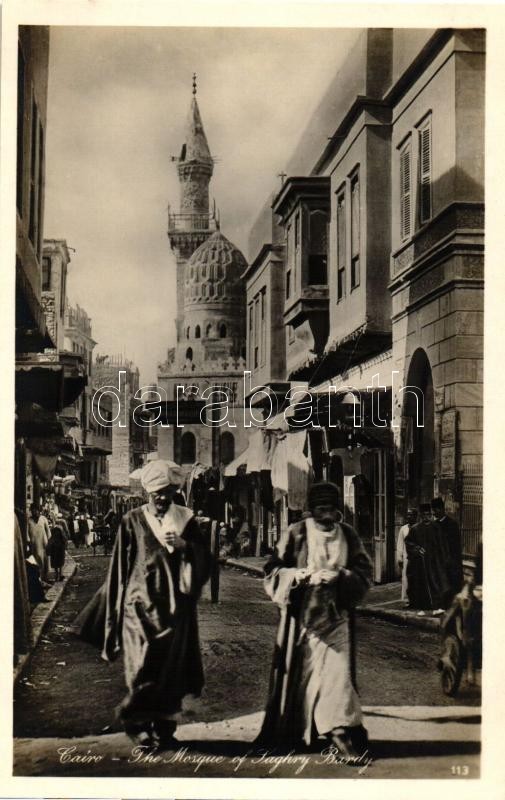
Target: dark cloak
point(428, 567)
point(142, 611)
point(283, 724)
point(449, 529)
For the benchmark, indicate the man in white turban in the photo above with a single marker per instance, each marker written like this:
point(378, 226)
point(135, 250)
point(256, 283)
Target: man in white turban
point(159, 564)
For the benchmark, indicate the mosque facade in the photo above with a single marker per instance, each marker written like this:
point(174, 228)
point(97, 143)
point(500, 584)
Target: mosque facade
point(209, 354)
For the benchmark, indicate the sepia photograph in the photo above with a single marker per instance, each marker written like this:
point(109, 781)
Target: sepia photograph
point(248, 449)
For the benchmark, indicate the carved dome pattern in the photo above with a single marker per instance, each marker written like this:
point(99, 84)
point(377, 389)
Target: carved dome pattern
point(213, 273)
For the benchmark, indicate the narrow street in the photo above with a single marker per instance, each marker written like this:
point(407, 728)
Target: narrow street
point(396, 668)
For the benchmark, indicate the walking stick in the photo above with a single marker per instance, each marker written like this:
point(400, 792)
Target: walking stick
point(214, 550)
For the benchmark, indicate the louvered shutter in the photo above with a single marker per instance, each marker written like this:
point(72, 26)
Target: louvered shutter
point(341, 230)
point(405, 193)
point(425, 173)
point(355, 216)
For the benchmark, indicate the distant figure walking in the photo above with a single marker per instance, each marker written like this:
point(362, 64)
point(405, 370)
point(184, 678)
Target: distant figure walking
point(38, 533)
point(55, 549)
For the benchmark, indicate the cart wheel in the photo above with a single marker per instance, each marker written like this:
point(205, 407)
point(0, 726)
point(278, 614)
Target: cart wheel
point(452, 665)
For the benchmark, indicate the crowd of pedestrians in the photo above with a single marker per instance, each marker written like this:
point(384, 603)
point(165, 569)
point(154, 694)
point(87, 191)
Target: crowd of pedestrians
point(49, 532)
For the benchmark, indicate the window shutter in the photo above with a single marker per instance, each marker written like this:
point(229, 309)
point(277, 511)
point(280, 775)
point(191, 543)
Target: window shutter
point(341, 230)
point(355, 216)
point(425, 173)
point(405, 190)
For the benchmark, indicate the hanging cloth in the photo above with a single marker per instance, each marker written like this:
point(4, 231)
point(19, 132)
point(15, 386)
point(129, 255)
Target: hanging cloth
point(255, 452)
point(351, 460)
point(279, 475)
point(46, 465)
point(298, 471)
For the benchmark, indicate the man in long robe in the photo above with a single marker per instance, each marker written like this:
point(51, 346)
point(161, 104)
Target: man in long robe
point(39, 533)
point(449, 530)
point(428, 564)
point(401, 550)
point(317, 575)
point(159, 564)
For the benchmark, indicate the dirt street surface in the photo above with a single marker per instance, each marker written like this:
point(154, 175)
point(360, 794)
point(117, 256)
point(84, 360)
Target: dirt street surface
point(69, 691)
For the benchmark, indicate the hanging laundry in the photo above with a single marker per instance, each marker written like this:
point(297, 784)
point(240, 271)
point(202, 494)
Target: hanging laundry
point(279, 474)
point(255, 452)
point(351, 459)
point(298, 471)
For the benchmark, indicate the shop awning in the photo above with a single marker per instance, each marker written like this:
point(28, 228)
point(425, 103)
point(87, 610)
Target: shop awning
point(93, 450)
point(34, 421)
point(41, 384)
point(240, 461)
point(31, 327)
point(51, 380)
point(359, 409)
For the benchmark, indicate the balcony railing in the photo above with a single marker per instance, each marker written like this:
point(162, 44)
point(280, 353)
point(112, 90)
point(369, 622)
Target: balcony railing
point(191, 222)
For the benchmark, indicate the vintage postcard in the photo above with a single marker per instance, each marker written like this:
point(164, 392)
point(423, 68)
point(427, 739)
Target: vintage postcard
point(247, 471)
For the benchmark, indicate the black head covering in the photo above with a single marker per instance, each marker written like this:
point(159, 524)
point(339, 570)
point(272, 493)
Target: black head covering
point(424, 507)
point(324, 493)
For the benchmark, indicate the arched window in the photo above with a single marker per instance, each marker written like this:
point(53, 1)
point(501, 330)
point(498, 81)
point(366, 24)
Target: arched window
point(188, 448)
point(227, 447)
point(222, 331)
point(187, 333)
point(208, 330)
point(189, 353)
point(197, 332)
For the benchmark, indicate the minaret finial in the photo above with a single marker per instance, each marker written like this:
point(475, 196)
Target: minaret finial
point(194, 82)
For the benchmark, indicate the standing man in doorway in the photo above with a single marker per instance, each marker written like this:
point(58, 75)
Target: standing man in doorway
point(427, 568)
point(401, 551)
point(449, 530)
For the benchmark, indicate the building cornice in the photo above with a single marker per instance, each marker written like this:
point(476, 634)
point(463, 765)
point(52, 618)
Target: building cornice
point(276, 249)
point(312, 188)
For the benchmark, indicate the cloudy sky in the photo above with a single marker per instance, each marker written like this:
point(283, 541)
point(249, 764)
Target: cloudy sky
point(118, 100)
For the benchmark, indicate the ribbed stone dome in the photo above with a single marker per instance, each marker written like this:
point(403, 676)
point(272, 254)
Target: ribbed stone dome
point(213, 273)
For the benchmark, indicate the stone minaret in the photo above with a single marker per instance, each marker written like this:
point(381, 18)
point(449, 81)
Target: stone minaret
point(189, 228)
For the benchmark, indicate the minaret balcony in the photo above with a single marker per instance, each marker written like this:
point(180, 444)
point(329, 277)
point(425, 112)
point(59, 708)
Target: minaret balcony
point(179, 223)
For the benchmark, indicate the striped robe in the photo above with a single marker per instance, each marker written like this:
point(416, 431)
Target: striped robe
point(312, 683)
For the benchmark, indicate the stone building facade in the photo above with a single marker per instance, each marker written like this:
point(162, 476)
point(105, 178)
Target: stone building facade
point(117, 378)
point(46, 379)
point(210, 350)
point(381, 256)
point(55, 261)
point(437, 273)
point(95, 441)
